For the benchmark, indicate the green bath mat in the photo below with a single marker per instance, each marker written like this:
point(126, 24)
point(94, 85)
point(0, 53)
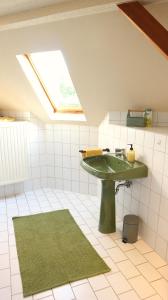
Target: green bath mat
point(53, 251)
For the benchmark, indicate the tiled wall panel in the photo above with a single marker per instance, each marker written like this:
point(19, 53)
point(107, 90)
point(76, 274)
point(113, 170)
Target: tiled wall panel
point(55, 158)
point(63, 143)
point(147, 197)
point(55, 162)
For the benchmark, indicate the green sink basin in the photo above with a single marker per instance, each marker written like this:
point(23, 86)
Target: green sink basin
point(111, 167)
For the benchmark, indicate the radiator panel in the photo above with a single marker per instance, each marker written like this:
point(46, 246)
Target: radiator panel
point(14, 162)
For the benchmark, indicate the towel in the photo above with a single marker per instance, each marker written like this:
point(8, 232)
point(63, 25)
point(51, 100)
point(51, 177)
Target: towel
point(92, 152)
point(6, 119)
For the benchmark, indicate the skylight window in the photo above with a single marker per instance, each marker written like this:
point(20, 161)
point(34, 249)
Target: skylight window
point(50, 78)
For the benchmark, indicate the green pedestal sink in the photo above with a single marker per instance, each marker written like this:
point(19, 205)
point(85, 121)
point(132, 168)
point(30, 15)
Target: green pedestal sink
point(110, 168)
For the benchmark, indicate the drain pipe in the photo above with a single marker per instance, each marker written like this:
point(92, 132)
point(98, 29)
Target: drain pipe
point(126, 183)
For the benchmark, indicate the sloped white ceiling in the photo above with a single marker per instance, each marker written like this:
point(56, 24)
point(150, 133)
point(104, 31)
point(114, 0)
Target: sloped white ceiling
point(113, 66)
point(17, 6)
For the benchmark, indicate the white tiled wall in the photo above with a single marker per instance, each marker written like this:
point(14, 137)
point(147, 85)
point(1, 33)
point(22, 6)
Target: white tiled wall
point(63, 158)
point(55, 162)
point(158, 118)
point(147, 197)
point(37, 157)
point(55, 157)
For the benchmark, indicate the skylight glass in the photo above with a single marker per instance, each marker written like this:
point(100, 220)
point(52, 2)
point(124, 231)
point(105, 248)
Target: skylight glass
point(50, 78)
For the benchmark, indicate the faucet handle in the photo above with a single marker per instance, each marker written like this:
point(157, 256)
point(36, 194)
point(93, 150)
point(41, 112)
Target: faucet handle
point(119, 150)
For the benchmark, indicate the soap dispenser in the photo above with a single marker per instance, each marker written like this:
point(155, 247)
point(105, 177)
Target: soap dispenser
point(131, 154)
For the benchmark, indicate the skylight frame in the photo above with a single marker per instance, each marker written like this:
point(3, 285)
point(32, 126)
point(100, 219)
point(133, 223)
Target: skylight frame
point(60, 113)
point(28, 58)
point(61, 109)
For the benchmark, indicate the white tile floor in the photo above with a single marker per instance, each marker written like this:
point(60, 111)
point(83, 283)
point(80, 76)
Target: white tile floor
point(137, 272)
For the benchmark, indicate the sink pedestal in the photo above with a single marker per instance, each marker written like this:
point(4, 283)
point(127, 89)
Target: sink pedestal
point(110, 168)
point(107, 222)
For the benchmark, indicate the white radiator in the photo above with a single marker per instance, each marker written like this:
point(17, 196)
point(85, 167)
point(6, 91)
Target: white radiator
point(14, 165)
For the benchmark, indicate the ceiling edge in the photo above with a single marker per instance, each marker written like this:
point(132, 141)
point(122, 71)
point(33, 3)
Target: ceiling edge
point(55, 13)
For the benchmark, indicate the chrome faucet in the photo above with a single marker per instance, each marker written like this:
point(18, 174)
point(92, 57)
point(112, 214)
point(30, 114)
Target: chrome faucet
point(120, 152)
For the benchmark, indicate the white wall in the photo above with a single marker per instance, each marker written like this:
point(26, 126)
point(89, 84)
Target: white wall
point(159, 119)
point(55, 158)
point(148, 197)
point(63, 158)
point(55, 163)
point(112, 64)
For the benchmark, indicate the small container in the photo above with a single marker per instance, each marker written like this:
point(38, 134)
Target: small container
point(148, 117)
point(131, 154)
point(130, 229)
point(135, 118)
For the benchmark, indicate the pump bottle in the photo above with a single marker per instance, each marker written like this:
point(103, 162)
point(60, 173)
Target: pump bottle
point(131, 154)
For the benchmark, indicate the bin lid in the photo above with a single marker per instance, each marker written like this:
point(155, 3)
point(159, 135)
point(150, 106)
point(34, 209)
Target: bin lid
point(131, 219)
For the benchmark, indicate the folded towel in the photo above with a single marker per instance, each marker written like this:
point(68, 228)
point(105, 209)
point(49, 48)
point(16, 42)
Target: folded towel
point(92, 152)
point(6, 119)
